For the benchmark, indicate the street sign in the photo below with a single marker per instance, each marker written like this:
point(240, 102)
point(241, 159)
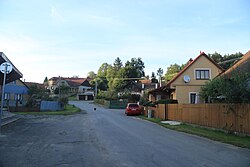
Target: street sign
point(5, 68)
point(8, 68)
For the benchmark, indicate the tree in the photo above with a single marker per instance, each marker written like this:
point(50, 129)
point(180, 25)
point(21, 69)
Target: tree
point(230, 90)
point(117, 64)
point(227, 60)
point(135, 68)
point(62, 89)
point(159, 73)
point(45, 80)
point(102, 71)
point(172, 70)
point(91, 74)
point(216, 57)
point(153, 78)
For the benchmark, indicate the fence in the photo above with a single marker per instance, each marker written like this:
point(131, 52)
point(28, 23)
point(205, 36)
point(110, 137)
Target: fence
point(231, 117)
point(50, 106)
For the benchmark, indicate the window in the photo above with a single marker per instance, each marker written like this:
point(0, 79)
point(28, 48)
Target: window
point(202, 74)
point(194, 97)
point(6, 96)
point(18, 97)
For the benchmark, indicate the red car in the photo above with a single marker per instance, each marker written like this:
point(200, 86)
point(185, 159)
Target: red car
point(133, 109)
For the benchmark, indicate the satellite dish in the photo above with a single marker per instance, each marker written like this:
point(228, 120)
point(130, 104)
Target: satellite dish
point(186, 79)
point(8, 68)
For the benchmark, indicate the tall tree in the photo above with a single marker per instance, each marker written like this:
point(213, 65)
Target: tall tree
point(102, 71)
point(118, 64)
point(91, 74)
point(216, 57)
point(159, 73)
point(135, 68)
point(45, 80)
point(153, 78)
point(172, 70)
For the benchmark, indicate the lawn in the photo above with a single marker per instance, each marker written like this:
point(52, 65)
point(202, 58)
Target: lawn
point(241, 141)
point(68, 110)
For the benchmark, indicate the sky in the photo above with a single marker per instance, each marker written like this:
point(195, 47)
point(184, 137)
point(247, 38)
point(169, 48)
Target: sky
point(50, 38)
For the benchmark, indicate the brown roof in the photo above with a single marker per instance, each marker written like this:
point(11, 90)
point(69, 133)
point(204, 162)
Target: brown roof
point(242, 66)
point(145, 81)
point(39, 85)
point(190, 64)
point(73, 82)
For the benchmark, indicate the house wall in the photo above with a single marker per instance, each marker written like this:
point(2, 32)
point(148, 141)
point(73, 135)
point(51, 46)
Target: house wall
point(12, 91)
point(184, 89)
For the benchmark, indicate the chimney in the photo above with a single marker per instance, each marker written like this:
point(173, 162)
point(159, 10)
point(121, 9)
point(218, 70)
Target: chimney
point(190, 61)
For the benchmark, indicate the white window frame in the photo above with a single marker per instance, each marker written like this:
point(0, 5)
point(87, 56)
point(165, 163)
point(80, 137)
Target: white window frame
point(209, 69)
point(18, 97)
point(196, 97)
point(6, 96)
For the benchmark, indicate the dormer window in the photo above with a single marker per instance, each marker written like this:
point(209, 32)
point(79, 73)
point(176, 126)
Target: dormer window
point(202, 74)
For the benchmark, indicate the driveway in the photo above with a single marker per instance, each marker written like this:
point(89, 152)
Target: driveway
point(106, 137)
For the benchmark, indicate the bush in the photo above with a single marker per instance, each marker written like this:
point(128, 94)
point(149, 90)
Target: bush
point(233, 89)
point(63, 100)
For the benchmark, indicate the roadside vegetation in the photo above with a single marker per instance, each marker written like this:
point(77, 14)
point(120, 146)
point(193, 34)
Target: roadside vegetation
point(68, 110)
point(237, 140)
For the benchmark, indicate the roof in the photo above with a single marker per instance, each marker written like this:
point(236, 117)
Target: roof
point(16, 89)
point(39, 85)
point(15, 73)
point(145, 81)
point(191, 63)
point(73, 82)
point(163, 89)
point(242, 66)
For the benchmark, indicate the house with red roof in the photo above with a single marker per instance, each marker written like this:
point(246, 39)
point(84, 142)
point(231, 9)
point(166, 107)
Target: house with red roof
point(186, 85)
point(79, 86)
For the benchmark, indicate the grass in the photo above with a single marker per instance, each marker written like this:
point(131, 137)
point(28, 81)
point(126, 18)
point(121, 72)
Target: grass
point(241, 141)
point(72, 98)
point(68, 110)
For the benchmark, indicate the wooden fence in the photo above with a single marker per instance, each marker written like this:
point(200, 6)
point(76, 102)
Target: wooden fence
point(230, 117)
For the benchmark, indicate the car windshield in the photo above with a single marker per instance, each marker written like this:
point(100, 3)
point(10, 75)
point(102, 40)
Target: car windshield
point(133, 105)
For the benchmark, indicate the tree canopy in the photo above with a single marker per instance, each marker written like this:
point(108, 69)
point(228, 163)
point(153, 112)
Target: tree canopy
point(172, 70)
point(227, 60)
point(235, 89)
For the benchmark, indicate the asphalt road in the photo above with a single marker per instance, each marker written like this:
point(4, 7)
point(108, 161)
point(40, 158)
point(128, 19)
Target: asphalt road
point(107, 138)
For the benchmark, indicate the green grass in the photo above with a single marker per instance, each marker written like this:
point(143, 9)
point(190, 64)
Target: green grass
point(241, 141)
point(68, 110)
point(72, 98)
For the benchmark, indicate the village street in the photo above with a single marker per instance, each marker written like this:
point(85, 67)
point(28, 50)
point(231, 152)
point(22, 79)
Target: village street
point(106, 138)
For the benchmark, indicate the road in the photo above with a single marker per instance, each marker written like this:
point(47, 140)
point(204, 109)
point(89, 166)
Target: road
point(107, 138)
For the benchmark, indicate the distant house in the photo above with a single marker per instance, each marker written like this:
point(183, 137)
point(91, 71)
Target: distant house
point(79, 86)
point(138, 87)
point(185, 86)
point(16, 94)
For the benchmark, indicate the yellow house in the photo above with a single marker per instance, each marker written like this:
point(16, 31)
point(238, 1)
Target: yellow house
point(187, 83)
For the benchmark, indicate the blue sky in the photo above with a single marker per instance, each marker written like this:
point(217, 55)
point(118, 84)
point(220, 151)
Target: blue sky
point(72, 37)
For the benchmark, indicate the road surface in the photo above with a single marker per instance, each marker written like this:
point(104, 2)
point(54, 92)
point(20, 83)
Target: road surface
point(107, 138)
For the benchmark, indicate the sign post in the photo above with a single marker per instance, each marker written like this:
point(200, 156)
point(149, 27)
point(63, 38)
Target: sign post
point(5, 68)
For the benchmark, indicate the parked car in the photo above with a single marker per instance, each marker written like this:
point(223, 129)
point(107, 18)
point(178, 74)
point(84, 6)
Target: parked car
point(133, 109)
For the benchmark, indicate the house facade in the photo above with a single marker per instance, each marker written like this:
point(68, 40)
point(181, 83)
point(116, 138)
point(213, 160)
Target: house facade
point(16, 94)
point(79, 86)
point(186, 85)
